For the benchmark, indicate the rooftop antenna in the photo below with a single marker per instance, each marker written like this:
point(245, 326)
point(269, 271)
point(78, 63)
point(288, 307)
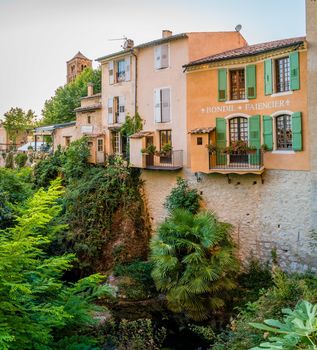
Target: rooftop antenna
point(127, 43)
point(238, 28)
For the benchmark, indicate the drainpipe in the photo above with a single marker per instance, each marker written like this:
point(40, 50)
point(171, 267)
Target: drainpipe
point(136, 81)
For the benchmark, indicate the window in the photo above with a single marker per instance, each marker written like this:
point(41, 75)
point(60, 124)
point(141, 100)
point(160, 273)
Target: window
point(89, 119)
point(165, 138)
point(284, 132)
point(100, 145)
point(199, 141)
point(162, 105)
point(120, 70)
point(116, 109)
point(238, 129)
point(282, 74)
point(116, 142)
point(161, 59)
point(237, 84)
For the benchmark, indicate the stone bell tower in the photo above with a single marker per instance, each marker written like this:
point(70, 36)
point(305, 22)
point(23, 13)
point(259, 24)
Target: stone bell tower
point(76, 65)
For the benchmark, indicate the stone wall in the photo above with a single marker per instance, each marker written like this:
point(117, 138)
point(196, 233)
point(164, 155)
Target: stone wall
point(273, 216)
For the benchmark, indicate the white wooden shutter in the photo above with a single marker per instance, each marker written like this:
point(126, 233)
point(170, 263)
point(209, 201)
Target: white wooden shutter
point(164, 56)
point(127, 68)
point(166, 105)
point(121, 109)
point(157, 57)
point(157, 105)
point(111, 72)
point(110, 110)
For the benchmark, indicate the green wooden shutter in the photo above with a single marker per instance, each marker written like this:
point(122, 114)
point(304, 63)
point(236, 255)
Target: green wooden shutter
point(297, 131)
point(268, 131)
point(255, 139)
point(221, 140)
point(222, 84)
point(251, 81)
point(294, 66)
point(268, 81)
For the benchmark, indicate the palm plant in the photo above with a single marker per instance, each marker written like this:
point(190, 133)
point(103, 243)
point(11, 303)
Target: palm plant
point(194, 262)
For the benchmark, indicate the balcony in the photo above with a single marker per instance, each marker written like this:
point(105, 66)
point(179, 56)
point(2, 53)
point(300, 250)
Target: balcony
point(172, 160)
point(234, 163)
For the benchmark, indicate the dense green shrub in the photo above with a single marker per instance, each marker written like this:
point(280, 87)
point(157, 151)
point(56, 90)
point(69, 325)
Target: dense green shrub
point(183, 197)
point(37, 307)
point(20, 159)
point(96, 205)
point(194, 262)
point(140, 334)
point(15, 188)
point(286, 292)
point(75, 159)
point(140, 285)
point(48, 169)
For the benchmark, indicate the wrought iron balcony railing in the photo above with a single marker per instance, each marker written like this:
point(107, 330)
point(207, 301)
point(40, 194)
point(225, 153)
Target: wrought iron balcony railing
point(172, 160)
point(233, 161)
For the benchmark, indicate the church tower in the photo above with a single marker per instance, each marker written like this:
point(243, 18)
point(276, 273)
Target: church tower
point(76, 65)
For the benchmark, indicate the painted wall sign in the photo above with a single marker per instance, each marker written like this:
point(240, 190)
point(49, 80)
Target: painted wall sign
point(246, 107)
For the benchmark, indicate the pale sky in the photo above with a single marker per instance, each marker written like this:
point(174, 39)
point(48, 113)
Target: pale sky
point(37, 37)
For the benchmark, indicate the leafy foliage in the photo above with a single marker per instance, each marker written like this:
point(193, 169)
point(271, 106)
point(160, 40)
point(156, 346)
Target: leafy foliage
point(60, 107)
point(15, 188)
point(140, 334)
point(141, 284)
point(298, 331)
point(9, 161)
point(48, 169)
point(36, 307)
point(194, 263)
point(101, 206)
point(183, 197)
point(20, 159)
point(130, 126)
point(286, 292)
point(17, 122)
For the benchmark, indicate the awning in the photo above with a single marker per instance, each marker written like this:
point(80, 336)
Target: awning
point(202, 130)
point(140, 134)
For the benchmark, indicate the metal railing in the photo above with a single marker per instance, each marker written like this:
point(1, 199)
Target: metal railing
point(232, 161)
point(170, 160)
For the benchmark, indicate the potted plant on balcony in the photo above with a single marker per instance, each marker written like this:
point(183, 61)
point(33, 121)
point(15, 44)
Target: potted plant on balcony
point(149, 150)
point(239, 147)
point(264, 147)
point(166, 150)
point(212, 148)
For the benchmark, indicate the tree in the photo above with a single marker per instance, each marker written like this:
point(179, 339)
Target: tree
point(130, 126)
point(183, 197)
point(38, 309)
point(17, 122)
point(194, 262)
point(60, 107)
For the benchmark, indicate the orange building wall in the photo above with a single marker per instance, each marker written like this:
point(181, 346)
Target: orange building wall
point(202, 93)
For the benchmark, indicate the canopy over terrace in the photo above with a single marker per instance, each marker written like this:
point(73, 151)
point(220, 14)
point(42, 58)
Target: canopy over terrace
point(49, 130)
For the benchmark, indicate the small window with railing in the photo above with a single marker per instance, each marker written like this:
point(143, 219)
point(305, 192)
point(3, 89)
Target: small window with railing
point(237, 84)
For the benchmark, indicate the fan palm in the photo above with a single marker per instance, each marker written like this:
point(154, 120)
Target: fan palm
point(194, 262)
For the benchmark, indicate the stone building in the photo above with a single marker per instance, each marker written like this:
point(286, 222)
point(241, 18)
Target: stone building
point(76, 65)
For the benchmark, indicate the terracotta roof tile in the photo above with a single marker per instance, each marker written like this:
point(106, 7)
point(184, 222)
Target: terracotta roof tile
point(249, 50)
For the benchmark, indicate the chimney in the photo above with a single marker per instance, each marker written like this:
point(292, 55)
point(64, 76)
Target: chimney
point(166, 33)
point(90, 89)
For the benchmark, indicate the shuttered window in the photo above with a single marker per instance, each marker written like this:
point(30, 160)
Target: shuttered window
point(162, 105)
point(222, 84)
point(284, 132)
point(161, 56)
point(251, 81)
point(286, 73)
point(237, 84)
